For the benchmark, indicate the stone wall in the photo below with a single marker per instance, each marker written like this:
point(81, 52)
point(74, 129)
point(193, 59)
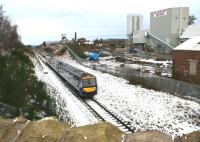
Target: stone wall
point(51, 130)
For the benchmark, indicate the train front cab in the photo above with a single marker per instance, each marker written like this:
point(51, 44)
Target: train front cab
point(88, 86)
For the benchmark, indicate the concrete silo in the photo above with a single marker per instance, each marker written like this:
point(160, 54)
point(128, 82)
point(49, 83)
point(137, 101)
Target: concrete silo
point(168, 24)
point(134, 23)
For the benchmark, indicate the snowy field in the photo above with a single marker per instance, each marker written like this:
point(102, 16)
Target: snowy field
point(144, 109)
point(149, 65)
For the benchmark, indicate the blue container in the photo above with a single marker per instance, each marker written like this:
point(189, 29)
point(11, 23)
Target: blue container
point(94, 56)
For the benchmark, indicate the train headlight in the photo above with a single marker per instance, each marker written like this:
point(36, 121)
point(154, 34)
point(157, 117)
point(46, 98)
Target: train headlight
point(89, 89)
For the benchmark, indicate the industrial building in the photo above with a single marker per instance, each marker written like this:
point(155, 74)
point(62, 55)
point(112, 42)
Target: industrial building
point(169, 24)
point(166, 26)
point(186, 61)
point(135, 32)
point(134, 24)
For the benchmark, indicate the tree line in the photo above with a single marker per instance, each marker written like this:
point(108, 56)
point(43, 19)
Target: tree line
point(19, 87)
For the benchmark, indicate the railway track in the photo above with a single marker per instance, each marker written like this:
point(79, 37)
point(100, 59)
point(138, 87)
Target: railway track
point(96, 114)
point(101, 112)
point(109, 116)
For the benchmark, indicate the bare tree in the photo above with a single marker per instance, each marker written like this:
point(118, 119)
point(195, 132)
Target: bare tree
point(9, 37)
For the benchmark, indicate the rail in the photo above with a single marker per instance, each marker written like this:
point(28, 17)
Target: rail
point(119, 121)
point(67, 84)
point(114, 116)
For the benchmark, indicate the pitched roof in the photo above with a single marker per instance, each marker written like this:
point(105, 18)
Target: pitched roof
point(192, 44)
point(191, 30)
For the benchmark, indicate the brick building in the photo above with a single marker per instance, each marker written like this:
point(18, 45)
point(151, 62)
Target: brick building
point(186, 61)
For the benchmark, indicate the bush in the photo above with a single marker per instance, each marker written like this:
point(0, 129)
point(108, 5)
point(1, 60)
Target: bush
point(78, 49)
point(62, 50)
point(47, 49)
point(21, 89)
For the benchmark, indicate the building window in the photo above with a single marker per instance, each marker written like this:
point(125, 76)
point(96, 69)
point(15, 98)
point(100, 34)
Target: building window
point(193, 67)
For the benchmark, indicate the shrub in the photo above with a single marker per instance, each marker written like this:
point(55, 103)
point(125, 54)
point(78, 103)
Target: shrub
point(47, 49)
point(21, 89)
point(78, 49)
point(62, 50)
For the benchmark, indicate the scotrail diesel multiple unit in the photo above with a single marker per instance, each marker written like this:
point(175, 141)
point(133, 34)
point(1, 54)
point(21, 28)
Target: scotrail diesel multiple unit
point(84, 83)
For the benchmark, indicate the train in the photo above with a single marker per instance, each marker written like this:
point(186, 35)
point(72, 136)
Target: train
point(83, 83)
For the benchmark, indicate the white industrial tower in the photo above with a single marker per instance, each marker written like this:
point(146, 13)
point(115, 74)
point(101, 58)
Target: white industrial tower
point(134, 23)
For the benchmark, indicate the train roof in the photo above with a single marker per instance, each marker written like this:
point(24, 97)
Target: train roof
point(75, 71)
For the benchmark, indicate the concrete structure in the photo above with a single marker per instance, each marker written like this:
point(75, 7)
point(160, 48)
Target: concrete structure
point(134, 23)
point(191, 30)
point(186, 61)
point(168, 24)
point(134, 31)
point(139, 37)
point(166, 27)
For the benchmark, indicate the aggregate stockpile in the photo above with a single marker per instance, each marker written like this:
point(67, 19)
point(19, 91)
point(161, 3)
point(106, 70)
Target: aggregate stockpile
point(51, 130)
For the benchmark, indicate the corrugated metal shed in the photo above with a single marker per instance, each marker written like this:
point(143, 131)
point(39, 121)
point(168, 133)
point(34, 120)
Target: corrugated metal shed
point(192, 44)
point(192, 30)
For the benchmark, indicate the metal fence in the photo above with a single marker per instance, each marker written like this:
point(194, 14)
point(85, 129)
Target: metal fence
point(175, 87)
point(8, 111)
point(171, 86)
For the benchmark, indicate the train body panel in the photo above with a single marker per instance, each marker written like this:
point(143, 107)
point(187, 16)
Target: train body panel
point(84, 83)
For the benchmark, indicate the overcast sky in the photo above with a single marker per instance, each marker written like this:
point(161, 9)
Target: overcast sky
point(40, 20)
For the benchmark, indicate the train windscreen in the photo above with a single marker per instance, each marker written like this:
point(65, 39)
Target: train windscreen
point(88, 82)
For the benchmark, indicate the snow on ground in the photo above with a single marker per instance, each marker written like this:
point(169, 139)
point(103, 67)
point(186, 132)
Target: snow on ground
point(150, 65)
point(110, 60)
point(143, 108)
point(165, 63)
point(68, 106)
